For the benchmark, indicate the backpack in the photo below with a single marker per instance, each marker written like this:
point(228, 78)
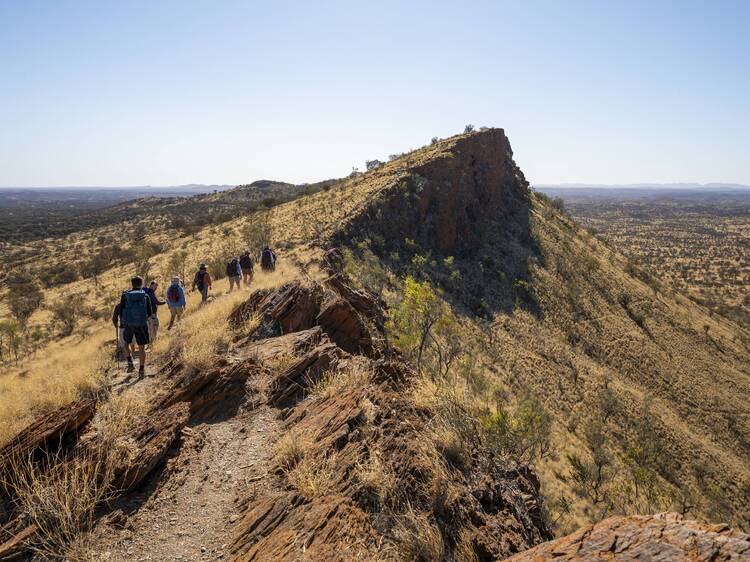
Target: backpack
point(233, 268)
point(246, 262)
point(266, 258)
point(199, 279)
point(136, 310)
point(173, 293)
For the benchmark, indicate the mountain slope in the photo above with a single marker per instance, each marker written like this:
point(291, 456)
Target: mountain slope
point(539, 346)
point(555, 313)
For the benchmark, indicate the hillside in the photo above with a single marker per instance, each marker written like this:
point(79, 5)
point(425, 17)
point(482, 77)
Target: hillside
point(435, 328)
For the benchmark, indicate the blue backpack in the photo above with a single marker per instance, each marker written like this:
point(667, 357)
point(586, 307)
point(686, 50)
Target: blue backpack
point(135, 311)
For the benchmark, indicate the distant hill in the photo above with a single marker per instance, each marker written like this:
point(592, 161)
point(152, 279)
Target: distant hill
point(28, 214)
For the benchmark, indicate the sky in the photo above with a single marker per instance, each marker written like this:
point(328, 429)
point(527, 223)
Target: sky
point(164, 93)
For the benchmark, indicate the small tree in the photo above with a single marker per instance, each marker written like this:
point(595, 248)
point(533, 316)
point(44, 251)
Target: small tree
point(25, 296)
point(372, 164)
point(434, 140)
point(97, 265)
point(415, 317)
point(257, 232)
point(469, 128)
point(65, 313)
point(177, 263)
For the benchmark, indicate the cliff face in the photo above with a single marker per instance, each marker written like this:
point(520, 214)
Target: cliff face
point(452, 201)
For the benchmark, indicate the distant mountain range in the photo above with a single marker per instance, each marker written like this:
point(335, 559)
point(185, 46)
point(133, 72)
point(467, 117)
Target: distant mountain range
point(699, 186)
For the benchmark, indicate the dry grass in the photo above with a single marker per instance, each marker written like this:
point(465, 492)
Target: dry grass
point(60, 496)
point(417, 538)
point(378, 477)
point(70, 368)
point(313, 476)
point(290, 450)
point(332, 382)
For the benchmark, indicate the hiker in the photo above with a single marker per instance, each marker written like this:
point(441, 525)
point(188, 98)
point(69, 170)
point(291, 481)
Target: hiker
point(268, 259)
point(175, 301)
point(247, 264)
point(202, 281)
point(153, 321)
point(135, 310)
point(234, 273)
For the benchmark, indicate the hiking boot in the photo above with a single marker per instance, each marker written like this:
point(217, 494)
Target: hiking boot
point(131, 367)
point(141, 372)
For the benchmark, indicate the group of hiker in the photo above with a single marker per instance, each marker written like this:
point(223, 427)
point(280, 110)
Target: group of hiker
point(135, 316)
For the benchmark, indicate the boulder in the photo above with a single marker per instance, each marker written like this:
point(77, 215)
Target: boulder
point(292, 384)
point(665, 537)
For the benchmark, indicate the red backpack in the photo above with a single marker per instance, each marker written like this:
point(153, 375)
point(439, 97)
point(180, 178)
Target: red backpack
point(173, 293)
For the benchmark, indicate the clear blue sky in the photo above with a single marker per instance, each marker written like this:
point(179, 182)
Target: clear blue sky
point(161, 93)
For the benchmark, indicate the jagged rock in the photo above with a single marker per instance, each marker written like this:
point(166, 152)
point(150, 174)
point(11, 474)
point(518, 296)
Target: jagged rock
point(291, 384)
point(289, 344)
point(665, 537)
point(345, 428)
point(291, 308)
point(363, 302)
point(345, 327)
point(152, 438)
point(284, 526)
point(52, 427)
point(208, 391)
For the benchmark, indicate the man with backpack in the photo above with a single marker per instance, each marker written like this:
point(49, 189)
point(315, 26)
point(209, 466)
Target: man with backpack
point(247, 265)
point(153, 321)
point(202, 282)
point(234, 273)
point(175, 301)
point(268, 259)
point(135, 310)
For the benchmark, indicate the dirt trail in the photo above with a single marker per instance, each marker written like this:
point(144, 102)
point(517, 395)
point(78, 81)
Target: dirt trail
point(188, 513)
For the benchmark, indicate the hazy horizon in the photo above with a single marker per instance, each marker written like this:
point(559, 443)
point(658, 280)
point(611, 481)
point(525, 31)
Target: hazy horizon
point(173, 93)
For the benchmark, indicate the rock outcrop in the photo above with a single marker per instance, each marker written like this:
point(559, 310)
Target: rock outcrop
point(380, 473)
point(666, 537)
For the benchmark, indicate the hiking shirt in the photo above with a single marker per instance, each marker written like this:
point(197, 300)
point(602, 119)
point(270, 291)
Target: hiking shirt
point(181, 301)
point(246, 262)
point(155, 302)
point(206, 280)
point(149, 310)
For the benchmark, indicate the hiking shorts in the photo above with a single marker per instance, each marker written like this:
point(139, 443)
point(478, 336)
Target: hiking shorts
point(140, 333)
point(176, 311)
point(234, 280)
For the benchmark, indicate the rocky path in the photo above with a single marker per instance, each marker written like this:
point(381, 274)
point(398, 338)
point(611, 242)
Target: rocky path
point(187, 513)
point(190, 514)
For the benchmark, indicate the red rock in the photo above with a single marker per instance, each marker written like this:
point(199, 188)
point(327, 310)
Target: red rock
point(665, 537)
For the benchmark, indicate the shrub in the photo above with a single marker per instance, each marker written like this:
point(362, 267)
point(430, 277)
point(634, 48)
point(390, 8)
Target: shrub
point(469, 128)
point(66, 312)
point(521, 434)
point(25, 296)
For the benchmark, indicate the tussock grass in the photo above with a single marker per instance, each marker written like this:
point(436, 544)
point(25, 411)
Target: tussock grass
point(70, 369)
point(416, 537)
point(332, 382)
point(60, 496)
point(313, 476)
point(378, 477)
point(290, 450)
